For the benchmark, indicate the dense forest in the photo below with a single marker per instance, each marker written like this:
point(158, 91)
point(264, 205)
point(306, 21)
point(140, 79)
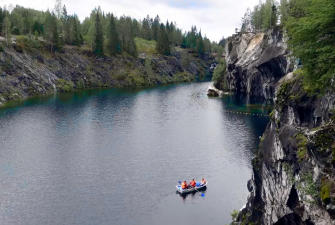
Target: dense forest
point(310, 28)
point(102, 32)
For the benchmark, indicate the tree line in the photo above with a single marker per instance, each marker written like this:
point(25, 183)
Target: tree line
point(102, 32)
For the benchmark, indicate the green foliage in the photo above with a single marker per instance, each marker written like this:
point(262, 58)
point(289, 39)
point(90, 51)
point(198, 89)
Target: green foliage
point(263, 17)
point(64, 85)
point(145, 46)
point(51, 31)
point(310, 27)
point(302, 147)
point(23, 42)
point(283, 93)
point(183, 77)
point(325, 190)
point(219, 71)
point(163, 43)
point(324, 139)
point(6, 30)
point(58, 28)
point(234, 214)
point(307, 186)
point(114, 44)
point(98, 36)
point(127, 35)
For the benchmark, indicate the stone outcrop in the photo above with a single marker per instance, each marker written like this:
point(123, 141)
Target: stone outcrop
point(255, 63)
point(27, 72)
point(293, 178)
point(294, 171)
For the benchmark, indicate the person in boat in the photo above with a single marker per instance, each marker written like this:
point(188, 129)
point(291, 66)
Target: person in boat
point(203, 181)
point(184, 185)
point(193, 183)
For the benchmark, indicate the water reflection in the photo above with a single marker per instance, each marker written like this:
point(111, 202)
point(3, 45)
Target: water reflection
point(114, 157)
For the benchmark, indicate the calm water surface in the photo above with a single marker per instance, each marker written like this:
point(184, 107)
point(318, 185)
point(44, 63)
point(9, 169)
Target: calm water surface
point(114, 157)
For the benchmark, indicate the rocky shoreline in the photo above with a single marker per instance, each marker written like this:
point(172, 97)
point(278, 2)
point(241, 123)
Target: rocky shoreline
point(293, 178)
point(28, 72)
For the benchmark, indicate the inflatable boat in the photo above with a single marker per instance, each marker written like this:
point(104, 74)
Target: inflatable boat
point(198, 187)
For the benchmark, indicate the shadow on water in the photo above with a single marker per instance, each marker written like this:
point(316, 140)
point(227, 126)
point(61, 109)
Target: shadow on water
point(193, 194)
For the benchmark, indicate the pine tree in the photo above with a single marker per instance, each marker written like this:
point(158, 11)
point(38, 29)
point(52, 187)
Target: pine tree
point(51, 31)
point(98, 35)
point(283, 11)
point(163, 44)
point(2, 17)
point(6, 30)
point(146, 28)
point(200, 45)
point(76, 38)
point(155, 28)
point(113, 45)
point(310, 27)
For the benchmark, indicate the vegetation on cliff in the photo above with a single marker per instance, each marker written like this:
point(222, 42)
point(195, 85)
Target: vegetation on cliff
point(309, 25)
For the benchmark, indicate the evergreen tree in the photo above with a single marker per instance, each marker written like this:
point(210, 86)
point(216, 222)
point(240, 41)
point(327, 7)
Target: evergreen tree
point(163, 44)
point(155, 28)
point(66, 25)
point(283, 11)
point(310, 27)
point(76, 38)
point(98, 40)
point(113, 45)
point(52, 31)
point(6, 30)
point(2, 17)
point(146, 28)
point(200, 45)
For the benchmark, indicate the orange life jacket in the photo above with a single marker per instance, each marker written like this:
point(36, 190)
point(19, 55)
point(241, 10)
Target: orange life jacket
point(183, 185)
point(193, 183)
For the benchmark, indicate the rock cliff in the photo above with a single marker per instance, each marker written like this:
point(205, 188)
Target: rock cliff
point(293, 178)
point(255, 63)
point(294, 171)
point(28, 71)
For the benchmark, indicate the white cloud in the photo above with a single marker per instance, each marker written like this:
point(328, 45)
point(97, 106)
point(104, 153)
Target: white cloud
point(215, 18)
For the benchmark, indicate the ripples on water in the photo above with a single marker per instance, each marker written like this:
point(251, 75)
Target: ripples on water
point(114, 157)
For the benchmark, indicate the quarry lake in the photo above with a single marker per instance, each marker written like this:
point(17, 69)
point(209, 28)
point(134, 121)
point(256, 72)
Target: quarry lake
point(114, 157)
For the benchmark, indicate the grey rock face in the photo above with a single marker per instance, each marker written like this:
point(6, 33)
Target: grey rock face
point(294, 162)
point(255, 63)
point(32, 72)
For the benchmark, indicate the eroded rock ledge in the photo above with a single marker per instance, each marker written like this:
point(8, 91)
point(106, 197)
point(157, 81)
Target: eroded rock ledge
point(255, 63)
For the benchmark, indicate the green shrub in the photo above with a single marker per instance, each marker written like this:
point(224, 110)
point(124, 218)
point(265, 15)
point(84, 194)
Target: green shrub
point(302, 147)
point(219, 71)
point(325, 191)
point(145, 46)
point(307, 185)
point(183, 77)
point(23, 42)
point(64, 85)
point(234, 214)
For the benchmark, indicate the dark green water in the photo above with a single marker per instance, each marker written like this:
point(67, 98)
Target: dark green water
point(114, 157)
